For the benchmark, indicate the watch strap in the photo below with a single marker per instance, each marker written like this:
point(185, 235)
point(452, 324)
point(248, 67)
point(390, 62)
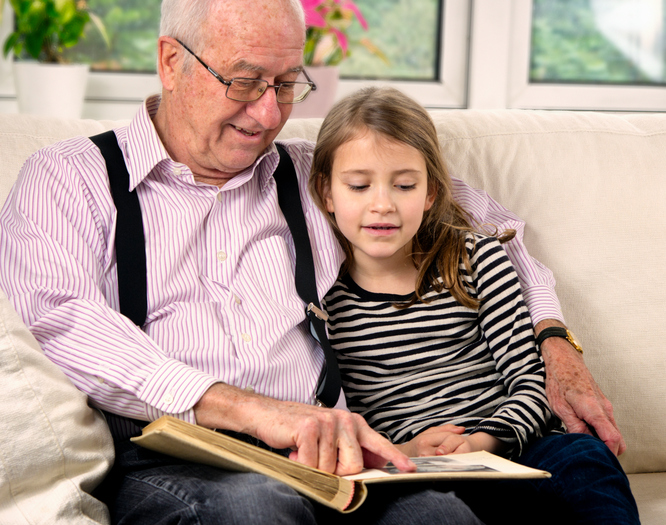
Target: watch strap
point(557, 331)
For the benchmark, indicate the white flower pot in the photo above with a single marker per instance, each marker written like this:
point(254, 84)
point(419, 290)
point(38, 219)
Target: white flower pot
point(319, 102)
point(50, 89)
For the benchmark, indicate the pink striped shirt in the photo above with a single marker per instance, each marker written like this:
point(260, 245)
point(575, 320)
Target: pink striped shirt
point(222, 304)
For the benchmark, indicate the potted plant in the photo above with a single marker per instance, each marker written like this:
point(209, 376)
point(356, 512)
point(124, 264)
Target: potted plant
point(327, 44)
point(45, 82)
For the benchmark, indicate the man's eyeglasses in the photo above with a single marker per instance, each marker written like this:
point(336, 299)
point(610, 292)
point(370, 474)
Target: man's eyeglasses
point(251, 89)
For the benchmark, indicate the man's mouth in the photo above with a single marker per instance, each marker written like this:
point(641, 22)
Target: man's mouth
point(246, 132)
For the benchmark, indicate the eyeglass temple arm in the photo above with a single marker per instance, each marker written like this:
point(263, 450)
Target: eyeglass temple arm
point(211, 71)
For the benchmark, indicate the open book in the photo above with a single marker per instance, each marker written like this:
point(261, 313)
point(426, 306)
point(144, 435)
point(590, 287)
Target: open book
point(198, 444)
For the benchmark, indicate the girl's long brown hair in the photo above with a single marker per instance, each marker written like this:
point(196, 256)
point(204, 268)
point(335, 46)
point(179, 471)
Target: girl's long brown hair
point(438, 247)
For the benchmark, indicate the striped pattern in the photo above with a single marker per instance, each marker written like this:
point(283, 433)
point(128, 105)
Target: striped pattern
point(222, 304)
point(406, 370)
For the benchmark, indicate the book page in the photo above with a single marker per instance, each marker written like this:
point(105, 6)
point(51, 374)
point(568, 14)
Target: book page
point(456, 466)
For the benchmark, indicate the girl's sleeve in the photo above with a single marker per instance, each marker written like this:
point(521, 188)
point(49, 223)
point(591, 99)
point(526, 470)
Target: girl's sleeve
point(507, 327)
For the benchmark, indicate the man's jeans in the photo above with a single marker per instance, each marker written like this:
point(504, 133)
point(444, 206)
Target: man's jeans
point(588, 486)
point(151, 488)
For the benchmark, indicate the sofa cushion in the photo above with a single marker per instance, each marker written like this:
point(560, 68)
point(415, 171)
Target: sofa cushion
point(54, 449)
point(22, 135)
point(591, 189)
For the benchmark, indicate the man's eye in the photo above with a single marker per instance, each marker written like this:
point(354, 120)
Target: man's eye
point(243, 84)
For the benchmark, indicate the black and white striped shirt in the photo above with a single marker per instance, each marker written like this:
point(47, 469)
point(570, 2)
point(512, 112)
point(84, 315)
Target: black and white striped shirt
point(406, 370)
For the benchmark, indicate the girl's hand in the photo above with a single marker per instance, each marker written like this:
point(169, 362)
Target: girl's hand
point(454, 444)
point(448, 439)
point(428, 441)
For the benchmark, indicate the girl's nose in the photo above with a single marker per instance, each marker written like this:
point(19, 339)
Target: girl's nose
point(382, 201)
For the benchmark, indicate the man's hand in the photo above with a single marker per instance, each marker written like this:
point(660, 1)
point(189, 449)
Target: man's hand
point(332, 440)
point(573, 394)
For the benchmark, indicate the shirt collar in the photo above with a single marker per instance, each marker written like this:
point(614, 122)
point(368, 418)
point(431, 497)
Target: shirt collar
point(142, 145)
point(144, 151)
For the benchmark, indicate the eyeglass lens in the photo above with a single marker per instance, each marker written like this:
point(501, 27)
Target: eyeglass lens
point(248, 90)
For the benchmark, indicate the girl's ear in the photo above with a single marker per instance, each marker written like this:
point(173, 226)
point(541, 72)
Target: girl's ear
point(328, 197)
point(430, 199)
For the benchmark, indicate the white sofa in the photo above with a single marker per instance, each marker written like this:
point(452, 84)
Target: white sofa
point(592, 190)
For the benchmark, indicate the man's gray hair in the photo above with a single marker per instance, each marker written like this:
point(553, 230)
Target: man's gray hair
point(183, 19)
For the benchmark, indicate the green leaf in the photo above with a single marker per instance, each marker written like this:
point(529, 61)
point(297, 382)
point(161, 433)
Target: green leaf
point(10, 44)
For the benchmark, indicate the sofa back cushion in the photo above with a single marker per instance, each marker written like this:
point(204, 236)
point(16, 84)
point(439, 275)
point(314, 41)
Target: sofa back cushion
point(591, 188)
point(592, 191)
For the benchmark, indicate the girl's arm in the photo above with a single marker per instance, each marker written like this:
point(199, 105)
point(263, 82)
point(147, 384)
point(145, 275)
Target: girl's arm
point(507, 328)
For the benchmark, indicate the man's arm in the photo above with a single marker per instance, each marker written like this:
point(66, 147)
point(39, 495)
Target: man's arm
point(572, 392)
point(574, 395)
point(329, 439)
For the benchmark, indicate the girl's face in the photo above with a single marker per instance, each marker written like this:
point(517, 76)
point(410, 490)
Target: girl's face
point(378, 192)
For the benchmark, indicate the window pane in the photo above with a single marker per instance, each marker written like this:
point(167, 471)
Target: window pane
point(132, 26)
point(406, 31)
point(598, 41)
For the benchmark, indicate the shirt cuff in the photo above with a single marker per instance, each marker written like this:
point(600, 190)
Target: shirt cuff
point(173, 389)
point(542, 302)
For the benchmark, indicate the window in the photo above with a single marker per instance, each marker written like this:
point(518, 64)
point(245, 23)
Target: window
point(598, 42)
point(587, 54)
point(411, 55)
point(550, 54)
point(124, 75)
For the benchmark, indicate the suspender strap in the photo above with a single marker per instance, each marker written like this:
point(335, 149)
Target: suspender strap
point(328, 388)
point(131, 253)
point(130, 243)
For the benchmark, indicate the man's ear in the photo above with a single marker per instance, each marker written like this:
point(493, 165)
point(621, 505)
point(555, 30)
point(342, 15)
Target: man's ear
point(169, 53)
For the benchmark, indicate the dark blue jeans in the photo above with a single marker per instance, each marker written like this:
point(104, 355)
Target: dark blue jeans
point(145, 487)
point(588, 486)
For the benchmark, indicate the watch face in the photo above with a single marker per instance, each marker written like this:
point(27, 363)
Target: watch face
point(572, 339)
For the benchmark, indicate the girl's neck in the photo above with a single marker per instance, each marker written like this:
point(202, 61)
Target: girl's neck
point(378, 277)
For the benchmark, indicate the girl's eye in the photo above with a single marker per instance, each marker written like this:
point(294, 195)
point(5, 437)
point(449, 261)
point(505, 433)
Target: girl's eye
point(355, 187)
point(406, 187)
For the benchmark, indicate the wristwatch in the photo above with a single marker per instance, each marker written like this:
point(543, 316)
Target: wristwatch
point(557, 331)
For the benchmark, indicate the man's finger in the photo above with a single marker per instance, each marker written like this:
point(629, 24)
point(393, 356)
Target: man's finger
point(380, 447)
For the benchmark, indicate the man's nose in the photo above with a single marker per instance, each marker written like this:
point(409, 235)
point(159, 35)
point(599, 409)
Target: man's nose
point(266, 110)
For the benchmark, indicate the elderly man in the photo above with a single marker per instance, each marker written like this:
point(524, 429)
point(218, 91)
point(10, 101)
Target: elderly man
point(225, 343)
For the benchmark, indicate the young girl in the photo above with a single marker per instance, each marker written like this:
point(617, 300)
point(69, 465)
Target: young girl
point(434, 342)
point(427, 317)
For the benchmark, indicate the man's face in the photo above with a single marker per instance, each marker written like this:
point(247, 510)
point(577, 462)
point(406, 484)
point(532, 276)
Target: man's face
point(218, 137)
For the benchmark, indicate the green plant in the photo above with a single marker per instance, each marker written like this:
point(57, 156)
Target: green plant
point(327, 23)
point(44, 28)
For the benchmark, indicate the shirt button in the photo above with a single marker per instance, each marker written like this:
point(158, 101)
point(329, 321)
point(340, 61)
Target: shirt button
point(219, 196)
point(177, 172)
point(100, 379)
point(168, 398)
point(237, 299)
point(246, 337)
point(221, 256)
point(249, 388)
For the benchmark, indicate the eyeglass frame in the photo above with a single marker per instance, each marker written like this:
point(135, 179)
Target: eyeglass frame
point(228, 83)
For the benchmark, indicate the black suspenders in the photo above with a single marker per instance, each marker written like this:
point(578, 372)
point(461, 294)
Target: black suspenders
point(131, 253)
